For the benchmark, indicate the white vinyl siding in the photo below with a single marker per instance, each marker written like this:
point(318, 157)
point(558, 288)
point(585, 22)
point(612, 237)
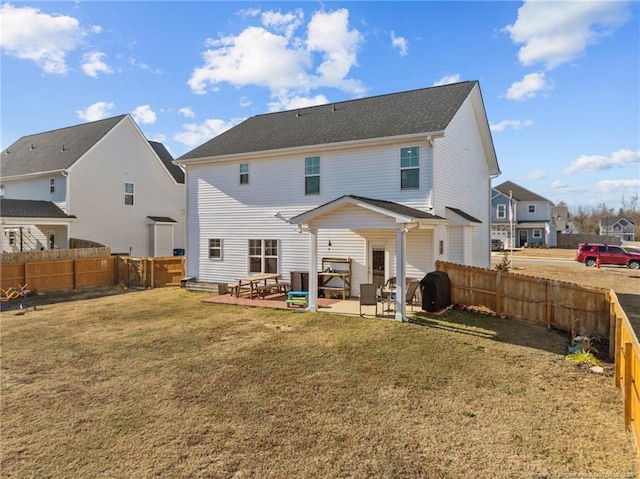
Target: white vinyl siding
point(96, 193)
point(462, 180)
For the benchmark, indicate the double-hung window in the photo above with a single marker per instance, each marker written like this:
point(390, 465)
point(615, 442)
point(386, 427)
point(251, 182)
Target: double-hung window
point(215, 248)
point(312, 175)
point(52, 185)
point(263, 256)
point(244, 173)
point(410, 168)
point(501, 213)
point(532, 209)
point(128, 194)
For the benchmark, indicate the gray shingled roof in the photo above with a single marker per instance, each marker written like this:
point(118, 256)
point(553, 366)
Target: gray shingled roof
point(53, 150)
point(427, 110)
point(167, 159)
point(465, 215)
point(390, 206)
point(519, 193)
point(11, 208)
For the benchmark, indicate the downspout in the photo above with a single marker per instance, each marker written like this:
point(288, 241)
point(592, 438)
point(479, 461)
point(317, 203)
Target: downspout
point(65, 174)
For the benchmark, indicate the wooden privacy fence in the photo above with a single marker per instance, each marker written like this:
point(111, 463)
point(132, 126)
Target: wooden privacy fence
point(61, 274)
point(627, 365)
point(555, 304)
point(150, 272)
point(54, 254)
point(91, 272)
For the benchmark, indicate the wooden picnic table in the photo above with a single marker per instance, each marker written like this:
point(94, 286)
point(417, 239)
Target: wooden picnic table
point(254, 282)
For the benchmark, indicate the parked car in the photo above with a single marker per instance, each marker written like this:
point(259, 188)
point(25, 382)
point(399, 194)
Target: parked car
point(607, 254)
point(497, 245)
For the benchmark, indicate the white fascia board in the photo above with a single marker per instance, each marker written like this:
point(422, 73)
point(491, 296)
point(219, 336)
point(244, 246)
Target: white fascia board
point(345, 145)
point(36, 221)
point(29, 176)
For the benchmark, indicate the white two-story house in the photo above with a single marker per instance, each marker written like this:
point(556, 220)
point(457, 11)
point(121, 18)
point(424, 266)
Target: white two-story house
point(393, 182)
point(101, 182)
point(530, 220)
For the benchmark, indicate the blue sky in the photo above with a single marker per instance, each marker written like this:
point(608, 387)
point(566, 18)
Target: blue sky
point(560, 80)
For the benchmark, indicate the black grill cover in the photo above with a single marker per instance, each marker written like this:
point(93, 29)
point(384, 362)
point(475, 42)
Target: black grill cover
point(436, 291)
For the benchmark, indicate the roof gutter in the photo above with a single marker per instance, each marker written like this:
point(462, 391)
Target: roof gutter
point(264, 154)
point(29, 176)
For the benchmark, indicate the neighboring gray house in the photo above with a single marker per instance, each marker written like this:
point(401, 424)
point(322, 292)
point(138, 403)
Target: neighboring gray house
point(618, 226)
point(530, 220)
point(101, 181)
point(393, 182)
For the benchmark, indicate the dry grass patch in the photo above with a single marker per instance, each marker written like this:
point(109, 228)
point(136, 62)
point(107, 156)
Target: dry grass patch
point(157, 384)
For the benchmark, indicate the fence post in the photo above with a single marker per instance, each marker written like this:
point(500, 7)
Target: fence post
point(548, 311)
point(628, 383)
point(75, 273)
point(617, 344)
point(498, 293)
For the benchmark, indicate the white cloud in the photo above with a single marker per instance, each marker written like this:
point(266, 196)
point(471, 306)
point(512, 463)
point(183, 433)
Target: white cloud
point(297, 102)
point(29, 34)
point(400, 43)
point(553, 33)
point(93, 64)
point(187, 111)
point(286, 23)
point(618, 158)
point(194, 134)
point(97, 111)
point(537, 175)
point(447, 79)
point(144, 115)
point(558, 185)
point(609, 186)
point(530, 85)
point(273, 56)
point(143, 66)
point(504, 124)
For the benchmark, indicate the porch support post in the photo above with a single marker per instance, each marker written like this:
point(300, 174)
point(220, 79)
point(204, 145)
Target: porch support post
point(401, 282)
point(313, 270)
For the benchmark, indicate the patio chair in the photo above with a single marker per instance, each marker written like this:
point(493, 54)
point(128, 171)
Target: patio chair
point(368, 296)
point(413, 293)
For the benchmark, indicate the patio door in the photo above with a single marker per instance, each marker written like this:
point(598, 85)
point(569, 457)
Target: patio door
point(377, 266)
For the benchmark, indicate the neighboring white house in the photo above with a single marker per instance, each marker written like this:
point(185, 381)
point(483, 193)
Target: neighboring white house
point(533, 219)
point(101, 181)
point(393, 182)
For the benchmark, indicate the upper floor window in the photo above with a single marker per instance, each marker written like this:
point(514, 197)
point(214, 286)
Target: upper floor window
point(244, 173)
point(312, 175)
point(501, 213)
point(1, 190)
point(52, 185)
point(128, 193)
point(263, 256)
point(215, 248)
point(532, 208)
point(409, 168)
